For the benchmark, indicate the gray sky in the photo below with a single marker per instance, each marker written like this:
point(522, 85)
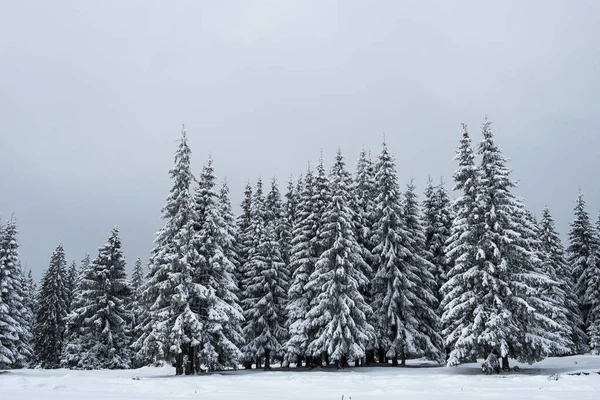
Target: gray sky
point(93, 94)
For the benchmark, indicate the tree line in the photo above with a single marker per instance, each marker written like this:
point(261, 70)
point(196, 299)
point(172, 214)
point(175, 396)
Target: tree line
point(342, 269)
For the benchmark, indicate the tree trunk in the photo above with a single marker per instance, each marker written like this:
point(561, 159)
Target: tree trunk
point(179, 364)
point(395, 361)
point(248, 365)
point(505, 364)
point(299, 362)
point(258, 362)
point(402, 358)
point(267, 360)
point(381, 356)
point(189, 365)
point(326, 358)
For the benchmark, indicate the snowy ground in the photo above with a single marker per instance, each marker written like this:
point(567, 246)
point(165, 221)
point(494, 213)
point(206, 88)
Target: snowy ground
point(417, 382)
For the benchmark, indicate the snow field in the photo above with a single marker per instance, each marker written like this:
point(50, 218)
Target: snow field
point(421, 381)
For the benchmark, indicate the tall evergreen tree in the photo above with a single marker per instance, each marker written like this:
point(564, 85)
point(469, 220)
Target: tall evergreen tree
point(593, 293)
point(15, 347)
point(582, 255)
point(245, 234)
point(399, 277)
point(52, 312)
point(264, 287)
point(426, 303)
point(71, 284)
point(231, 234)
point(492, 305)
point(363, 204)
point(216, 303)
point(102, 342)
point(338, 312)
point(137, 276)
point(562, 293)
point(437, 219)
point(302, 261)
point(173, 327)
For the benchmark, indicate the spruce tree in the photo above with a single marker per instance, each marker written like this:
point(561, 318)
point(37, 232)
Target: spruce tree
point(102, 317)
point(364, 214)
point(137, 276)
point(338, 312)
point(400, 284)
point(302, 262)
point(15, 349)
point(71, 284)
point(231, 234)
point(172, 327)
point(582, 255)
point(437, 219)
point(52, 312)
point(426, 303)
point(593, 293)
point(494, 304)
point(216, 302)
point(244, 229)
point(264, 287)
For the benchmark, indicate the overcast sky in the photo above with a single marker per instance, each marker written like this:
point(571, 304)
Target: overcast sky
point(93, 95)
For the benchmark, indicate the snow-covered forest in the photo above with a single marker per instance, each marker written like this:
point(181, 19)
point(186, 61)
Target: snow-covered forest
point(341, 266)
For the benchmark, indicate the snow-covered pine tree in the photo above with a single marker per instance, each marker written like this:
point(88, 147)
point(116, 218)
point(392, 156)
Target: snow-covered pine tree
point(582, 255)
point(137, 276)
point(216, 302)
point(425, 304)
point(51, 316)
point(264, 287)
point(138, 311)
point(364, 213)
point(15, 349)
point(231, 246)
point(398, 278)
point(28, 316)
point(321, 200)
point(172, 326)
point(543, 332)
point(302, 262)
point(437, 219)
point(493, 306)
point(554, 265)
point(245, 234)
point(276, 218)
point(593, 293)
point(103, 338)
point(338, 312)
point(71, 284)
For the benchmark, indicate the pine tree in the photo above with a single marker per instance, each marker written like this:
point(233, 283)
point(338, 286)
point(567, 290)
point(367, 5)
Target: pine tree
point(338, 312)
point(437, 219)
point(71, 284)
point(15, 347)
point(582, 255)
point(302, 261)
point(244, 229)
point(562, 294)
point(426, 303)
point(137, 276)
point(137, 308)
point(172, 326)
point(364, 214)
point(103, 338)
point(27, 316)
point(593, 293)
point(264, 287)
point(231, 234)
point(399, 277)
point(216, 303)
point(494, 302)
point(52, 312)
